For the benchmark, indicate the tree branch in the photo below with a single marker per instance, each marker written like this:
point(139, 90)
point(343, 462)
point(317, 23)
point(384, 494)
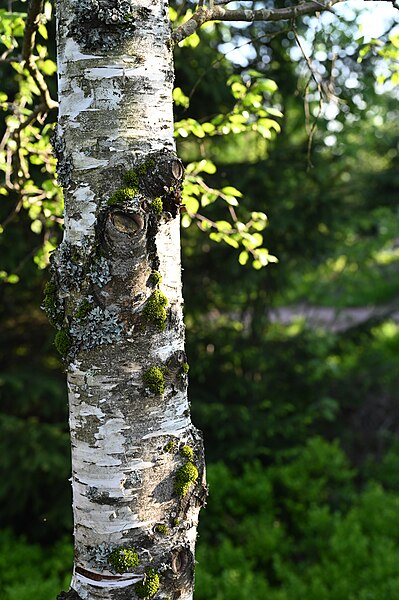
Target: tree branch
point(31, 26)
point(219, 13)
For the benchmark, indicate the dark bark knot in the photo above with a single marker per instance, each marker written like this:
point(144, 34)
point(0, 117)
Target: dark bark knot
point(164, 179)
point(182, 564)
point(122, 231)
point(127, 223)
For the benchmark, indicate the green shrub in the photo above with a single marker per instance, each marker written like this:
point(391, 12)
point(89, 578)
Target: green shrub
point(300, 530)
point(29, 571)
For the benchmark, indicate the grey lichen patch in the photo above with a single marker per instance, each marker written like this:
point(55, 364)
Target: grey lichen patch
point(69, 267)
point(98, 556)
point(100, 273)
point(100, 26)
point(100, 326)
point(134, 480)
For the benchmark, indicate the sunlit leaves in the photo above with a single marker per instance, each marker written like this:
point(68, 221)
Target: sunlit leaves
point(179, 98)
point(249, 112)
point(389, 52)
point(26, 159)
point(11, 27)
point(250, 92)
point(242, 235)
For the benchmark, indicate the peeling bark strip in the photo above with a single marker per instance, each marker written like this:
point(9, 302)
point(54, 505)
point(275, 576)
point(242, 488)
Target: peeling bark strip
point(115, 301)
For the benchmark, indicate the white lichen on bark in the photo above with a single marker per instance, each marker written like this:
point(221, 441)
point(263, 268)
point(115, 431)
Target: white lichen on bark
point(115, 112)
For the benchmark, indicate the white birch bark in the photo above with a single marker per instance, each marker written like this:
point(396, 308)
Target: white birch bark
point(129, 438)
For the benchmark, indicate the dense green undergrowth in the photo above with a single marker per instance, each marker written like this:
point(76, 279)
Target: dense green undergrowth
point(31, 571)
point(295, 531)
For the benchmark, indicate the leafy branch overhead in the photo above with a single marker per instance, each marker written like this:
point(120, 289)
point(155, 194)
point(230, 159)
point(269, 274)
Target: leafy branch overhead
point(250, 113)
point(28, 165)
point(26, 157)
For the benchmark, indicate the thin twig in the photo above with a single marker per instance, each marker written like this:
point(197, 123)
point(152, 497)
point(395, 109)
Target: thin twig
point(33, 20)
point(311, 127)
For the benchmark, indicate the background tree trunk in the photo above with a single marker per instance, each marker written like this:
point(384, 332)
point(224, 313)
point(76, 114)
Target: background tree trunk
point(115, 298)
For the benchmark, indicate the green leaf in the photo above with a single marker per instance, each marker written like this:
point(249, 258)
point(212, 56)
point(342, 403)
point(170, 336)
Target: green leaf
point(230, 241)
point(394, 39)
point(191, 204)
point(231, 200)
point(238, 89)
point(223, 226)
point(206, 166)
point(186, 220)
point(180, 98)
point(216, 237)
point(229, 189)
point(36, 226)
point(43, 31)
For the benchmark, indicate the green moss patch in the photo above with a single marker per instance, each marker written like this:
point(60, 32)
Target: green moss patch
point(154, 378)
point(154, 311)
point(123, 559)
point(148, 587)
point(185, 476)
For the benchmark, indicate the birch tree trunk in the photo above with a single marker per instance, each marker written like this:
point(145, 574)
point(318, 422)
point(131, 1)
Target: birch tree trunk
point(115, 299)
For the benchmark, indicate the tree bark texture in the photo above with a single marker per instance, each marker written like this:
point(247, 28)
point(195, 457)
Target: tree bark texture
point(138, 474)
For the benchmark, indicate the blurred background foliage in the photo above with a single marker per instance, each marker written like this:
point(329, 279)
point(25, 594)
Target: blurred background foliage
point(300, 415)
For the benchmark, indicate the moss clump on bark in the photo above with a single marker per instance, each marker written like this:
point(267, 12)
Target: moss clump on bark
point(122, 195)
point(185, 476)
point(83, 309)
point(50, 304)
point(185, 367)
point(162, 528)
point(187, 452)
point(132, 180)
point(155, 380)
point(154, 311)
point(170, 447)
point(157, 206)
point(149, 586)
point(123, 559)
point(63, 342)
point(155, 278)
point(132, 177)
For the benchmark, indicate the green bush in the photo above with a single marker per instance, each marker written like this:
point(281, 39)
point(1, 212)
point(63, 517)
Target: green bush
point(30, 571)
point(299, 530)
